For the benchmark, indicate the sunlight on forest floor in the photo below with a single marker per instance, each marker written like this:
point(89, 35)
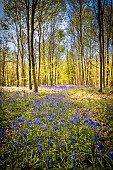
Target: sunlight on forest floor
point(74, 95)
point(90, 96)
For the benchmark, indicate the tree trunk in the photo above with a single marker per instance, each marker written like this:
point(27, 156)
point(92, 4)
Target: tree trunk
point(28, 42)
point(32, 46)
point(17, 70)
point(44, 59)
point(39, 51)
point(112, 63)
point(100, 42)
point(81, 43)
point(3, 69)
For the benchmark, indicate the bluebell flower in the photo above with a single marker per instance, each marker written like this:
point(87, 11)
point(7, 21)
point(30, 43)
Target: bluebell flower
point(59, 145)
point(24, 143)
point(100, 148)
point(26, 130)
point(77, 110)
point(46, 97)
point(49, 160)
point(96, 124)
point(36, 140)
point(37, 101)
point(74, 165)
point(60, 137)
point(8, 139)
point(29, 122)
point(73, 155)
point(39, 109)
point(96, 135)
point(55, 123)
point(23, 134)
point(41, 148)
point(33, 107)
point(50, 139)
point(38, 122)
point(49, 120)
point(110, 154)
point(63, 121)
point(54, 128)
point(88, 121)
point(106, 124)
point(16, 145)
point(13, 123)
point(20, 120)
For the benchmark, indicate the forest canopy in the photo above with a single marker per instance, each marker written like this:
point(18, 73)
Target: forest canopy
point(56, 42)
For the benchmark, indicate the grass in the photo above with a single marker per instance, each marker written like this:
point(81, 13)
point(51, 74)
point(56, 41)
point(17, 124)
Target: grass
point(66, 129)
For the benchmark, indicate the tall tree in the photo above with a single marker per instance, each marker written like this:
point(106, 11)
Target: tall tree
point(27, 5)
point(33, 10)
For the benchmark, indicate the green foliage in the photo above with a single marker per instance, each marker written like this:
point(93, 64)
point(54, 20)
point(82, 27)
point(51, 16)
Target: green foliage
point(52, 131)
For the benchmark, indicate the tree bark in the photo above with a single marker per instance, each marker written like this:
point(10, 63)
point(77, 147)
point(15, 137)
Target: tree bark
point(34, 3)
point(28, 41)
point(17, 71)
point(100, 42)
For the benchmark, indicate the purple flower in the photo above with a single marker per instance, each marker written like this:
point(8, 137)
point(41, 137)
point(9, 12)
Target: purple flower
point(26, 130)
point(20, 120)
point(33, 107)
point(24, 143)
point(110, 154)
point(13, 123)
point(23, 134)
point(73, 155)
point(53, 127)
point(29, 122)
point(100, 148)
point(96, 124)
point(38, 122)
point(50, 139)
point(41, 148)
point(37, 101)
point(74, 165)
point(36, 140)
point(49, 160)
point(106, 124)
point(96, 135)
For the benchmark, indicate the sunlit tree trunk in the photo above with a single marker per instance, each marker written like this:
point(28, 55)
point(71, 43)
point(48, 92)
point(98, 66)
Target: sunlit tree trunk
point(81, 43)
point(28, 41)
point(44, 58)
point(17, 70)
point(39, 52)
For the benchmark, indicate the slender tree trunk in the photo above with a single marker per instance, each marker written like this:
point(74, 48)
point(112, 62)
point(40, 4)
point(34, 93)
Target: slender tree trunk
point(107, 73)
point(90, 72)
point(100, 42)
point(28, 41)
point(112, 63)
point(32, 45)
point(39, 51)
point(44, 59)
point(17, 70)
point(81, 43)
point(3, 70)
point(68, 69)
point(50, 62)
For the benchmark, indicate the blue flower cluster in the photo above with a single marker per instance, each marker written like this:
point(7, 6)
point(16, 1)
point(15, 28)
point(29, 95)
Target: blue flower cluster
point(54, 129)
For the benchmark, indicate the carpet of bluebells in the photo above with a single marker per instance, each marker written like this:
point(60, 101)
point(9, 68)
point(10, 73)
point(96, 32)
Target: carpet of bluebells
point(51, 131)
